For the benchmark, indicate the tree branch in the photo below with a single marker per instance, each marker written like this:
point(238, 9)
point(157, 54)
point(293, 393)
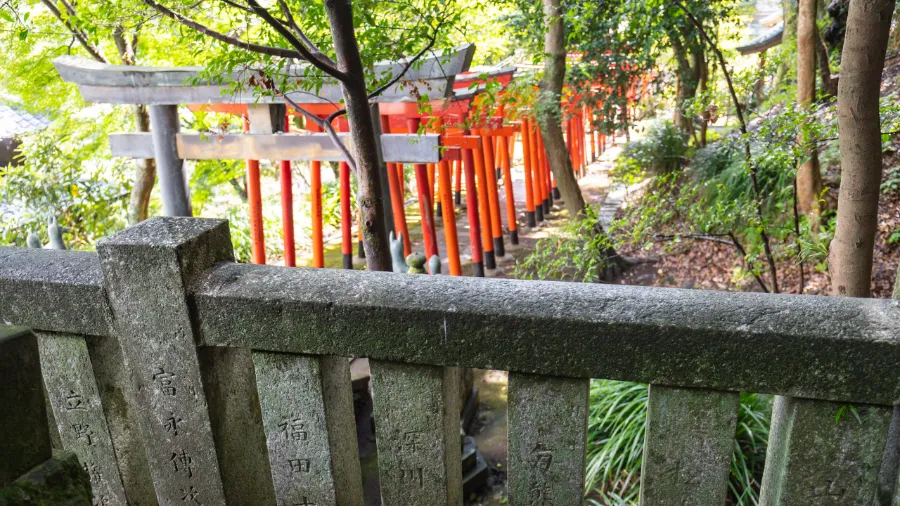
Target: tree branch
point(291, 23)
point(326, 125)
point(221, 37)
point(305, 53)
point(752, 168)
point(78, 34)
point(415, 58)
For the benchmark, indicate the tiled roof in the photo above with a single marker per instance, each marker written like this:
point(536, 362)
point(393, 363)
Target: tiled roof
point(16, 121)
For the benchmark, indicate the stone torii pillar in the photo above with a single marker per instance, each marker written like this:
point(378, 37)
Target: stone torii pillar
point(173, 185)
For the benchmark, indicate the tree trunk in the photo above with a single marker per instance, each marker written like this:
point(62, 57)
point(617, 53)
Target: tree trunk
point(359, 116)
point(145, 169)
point(809, 176)
point(144, 174)
point(829, 85)
point(859, 123)
point(549, 113)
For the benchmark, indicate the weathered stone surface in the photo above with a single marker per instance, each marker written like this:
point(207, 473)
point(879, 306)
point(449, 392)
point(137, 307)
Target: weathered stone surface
point(237, 425)
point(307, 406)
point(114, 382)
point(547, 438)
point(78, 411)
point(688, 445)
point(836, 348)
point(58, 481)
point(889, 475)
point(25, 437)
point(418, 434)
point(816, 458)
point(145, 269)
point(58, 291)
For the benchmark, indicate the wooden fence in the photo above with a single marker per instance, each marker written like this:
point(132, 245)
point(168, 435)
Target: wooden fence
point(177, 375)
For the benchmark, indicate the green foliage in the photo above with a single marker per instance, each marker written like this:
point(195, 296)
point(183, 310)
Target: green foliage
point(577, 253)
point(662, 150)
point(892, 182)
point(616, 424)
point(62, 173)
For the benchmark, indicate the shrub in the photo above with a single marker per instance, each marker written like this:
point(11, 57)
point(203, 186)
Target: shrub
point(662, 150)
point(577, 253)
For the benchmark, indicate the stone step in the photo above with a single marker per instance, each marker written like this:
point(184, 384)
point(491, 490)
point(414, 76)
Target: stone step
point(469, 451)
point(477, 477)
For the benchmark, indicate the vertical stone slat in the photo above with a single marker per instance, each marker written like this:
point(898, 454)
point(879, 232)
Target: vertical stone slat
point(230, 386)
point(307, 412)
point(688, 445)
point(146, 270)
point(114, 383)
point(816, 457)
point(547, 439)
point(418, 434)
point(78, 411)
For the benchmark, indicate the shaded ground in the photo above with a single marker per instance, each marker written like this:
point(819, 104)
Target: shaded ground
point(711, 266)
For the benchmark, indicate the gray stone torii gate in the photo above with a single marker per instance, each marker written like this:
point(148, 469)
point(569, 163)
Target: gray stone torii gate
point(163, 89)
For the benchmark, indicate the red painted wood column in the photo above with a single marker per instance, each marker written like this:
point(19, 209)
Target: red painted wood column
point(457, 197)
point(490, 167)
point(527, 152)
point(503, 152)
point(346, 217)
point(287, 206)
point(545, 185)
point(397, 200)
point(315, 193)
point(472, 212)
point(254, 199)
point(426, 207)
point(537, 170)
point(449, 216)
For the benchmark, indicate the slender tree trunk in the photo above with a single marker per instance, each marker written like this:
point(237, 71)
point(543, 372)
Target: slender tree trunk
point(145, 169)
point(809, 176)
point(369, 194)
point(144, 174)
point(829, 85)
point(549, 113)
point(859, 123)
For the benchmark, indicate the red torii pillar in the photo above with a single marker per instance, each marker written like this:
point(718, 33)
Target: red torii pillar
point(254, 200)
point(426, 207)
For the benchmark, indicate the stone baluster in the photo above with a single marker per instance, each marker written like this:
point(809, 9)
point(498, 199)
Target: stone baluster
point(417, 427)
point(307, 411)
point(688, 445)
point(202, 446)
point(823, 453)
point(547, 439)
point(78, 410)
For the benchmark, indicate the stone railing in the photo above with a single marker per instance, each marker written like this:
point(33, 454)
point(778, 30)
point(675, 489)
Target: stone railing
point(178, 376)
